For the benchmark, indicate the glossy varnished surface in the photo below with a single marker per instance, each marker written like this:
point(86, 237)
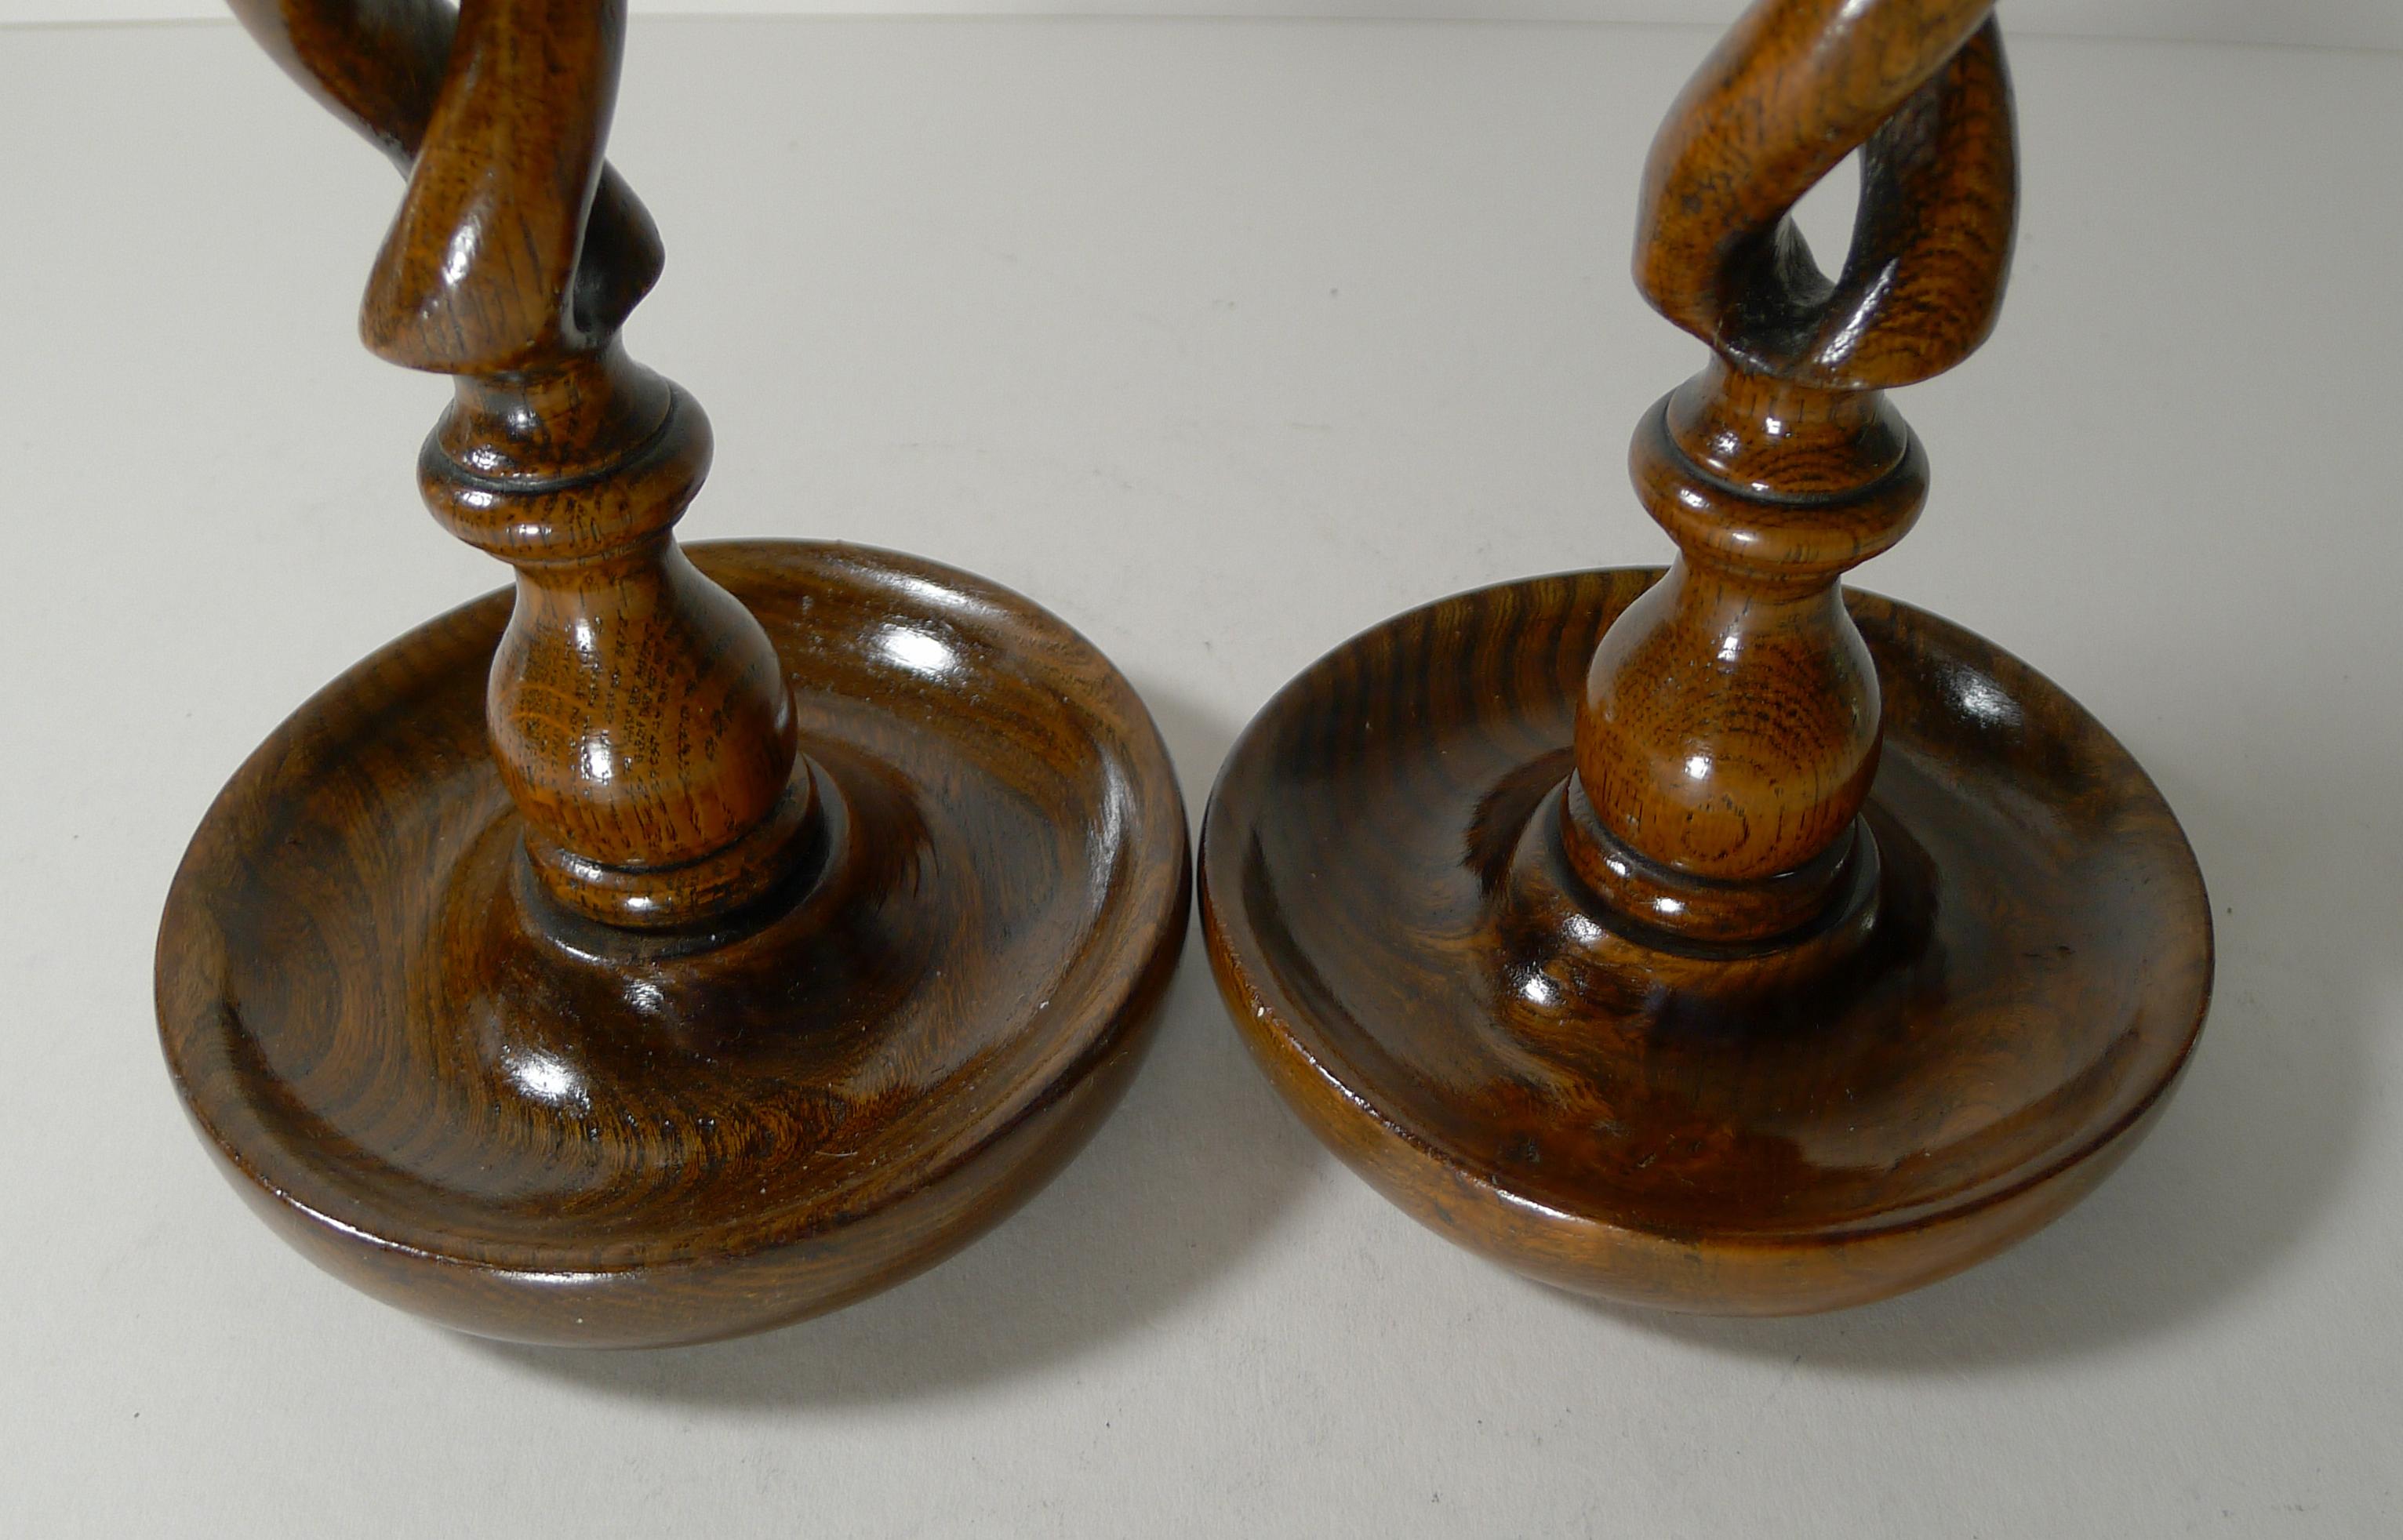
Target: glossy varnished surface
point(1729, 728)
point(637, 715)
point(1708, 938)
point(674, 948)
point(475, 1105)
point(1940, 1066)
point(1205, 1302)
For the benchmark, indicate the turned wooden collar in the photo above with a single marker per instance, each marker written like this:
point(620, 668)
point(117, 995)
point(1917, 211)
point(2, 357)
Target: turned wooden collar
point(1730, 728)
point(639, 716)
point(1711, 938)
point(683, 943)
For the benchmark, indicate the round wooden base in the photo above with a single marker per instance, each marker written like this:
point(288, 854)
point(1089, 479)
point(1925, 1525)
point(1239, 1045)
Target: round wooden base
point(446, 1090)
point(1986, 1019)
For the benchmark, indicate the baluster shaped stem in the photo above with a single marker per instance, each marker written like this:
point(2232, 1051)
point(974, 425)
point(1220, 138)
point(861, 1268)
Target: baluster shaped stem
point(1730, 728)
point(639, 715)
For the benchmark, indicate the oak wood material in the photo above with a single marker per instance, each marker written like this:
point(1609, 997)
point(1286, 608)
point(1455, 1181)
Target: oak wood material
point(637, 713)
point(1712, 939)
point(1953, 1054)
point(682, 944)
point(530, 1126)
point(1730, 728)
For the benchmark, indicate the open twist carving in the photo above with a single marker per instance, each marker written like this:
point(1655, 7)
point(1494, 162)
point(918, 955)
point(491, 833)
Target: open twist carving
point(639, 715)
point(1728, 732)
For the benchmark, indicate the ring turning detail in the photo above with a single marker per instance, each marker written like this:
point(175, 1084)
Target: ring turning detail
point(639, 716)
point(1715, 939)
point(686, 942)
point(1728, 733)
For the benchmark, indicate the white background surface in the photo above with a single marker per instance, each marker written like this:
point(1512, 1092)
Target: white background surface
point(1225, 341)
point(2312, 23)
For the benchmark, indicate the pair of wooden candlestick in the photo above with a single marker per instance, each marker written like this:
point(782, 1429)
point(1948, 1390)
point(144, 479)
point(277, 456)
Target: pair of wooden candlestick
point(697, 942)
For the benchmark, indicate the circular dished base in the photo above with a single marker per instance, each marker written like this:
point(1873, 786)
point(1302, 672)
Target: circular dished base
point(474, 1106)
point(1982, 1025)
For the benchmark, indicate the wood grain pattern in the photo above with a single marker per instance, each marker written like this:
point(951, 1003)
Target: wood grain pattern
point(637, 713)
point(1961, 1046)
point(1730, 730)
point(484, 1109)
point(1713, 940)
point(535, 976)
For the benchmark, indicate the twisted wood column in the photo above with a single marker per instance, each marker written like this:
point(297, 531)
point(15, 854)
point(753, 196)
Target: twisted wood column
point(1716, 939)
point(529, 977)
point(638, 714)
point(1729, 726)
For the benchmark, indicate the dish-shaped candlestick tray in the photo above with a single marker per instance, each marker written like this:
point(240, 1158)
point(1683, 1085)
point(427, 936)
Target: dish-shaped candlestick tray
point(1715, 939)
point(687, 942)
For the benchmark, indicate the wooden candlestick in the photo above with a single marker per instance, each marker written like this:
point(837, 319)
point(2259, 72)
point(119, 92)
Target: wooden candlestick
point(1716, 939)
point(534, 976)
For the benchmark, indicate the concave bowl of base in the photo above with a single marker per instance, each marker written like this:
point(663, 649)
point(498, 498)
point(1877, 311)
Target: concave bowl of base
point(445, 1092)
point(1959, 1052)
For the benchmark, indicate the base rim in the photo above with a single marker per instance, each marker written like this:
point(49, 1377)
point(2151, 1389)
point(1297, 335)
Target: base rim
point(1372, 1087)
point(676, 1282)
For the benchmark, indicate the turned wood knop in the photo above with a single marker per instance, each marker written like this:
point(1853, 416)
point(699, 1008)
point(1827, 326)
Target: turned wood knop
point(1842, 949)
point(638, 714)
point(1729, 726)
point(862, 1002)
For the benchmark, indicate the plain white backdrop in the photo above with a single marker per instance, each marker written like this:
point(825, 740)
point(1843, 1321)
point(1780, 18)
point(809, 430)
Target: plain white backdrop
point(2312, 23)
point(1223, 340)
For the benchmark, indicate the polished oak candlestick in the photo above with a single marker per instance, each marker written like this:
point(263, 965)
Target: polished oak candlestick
point(1717, 939)
point(684, 943)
